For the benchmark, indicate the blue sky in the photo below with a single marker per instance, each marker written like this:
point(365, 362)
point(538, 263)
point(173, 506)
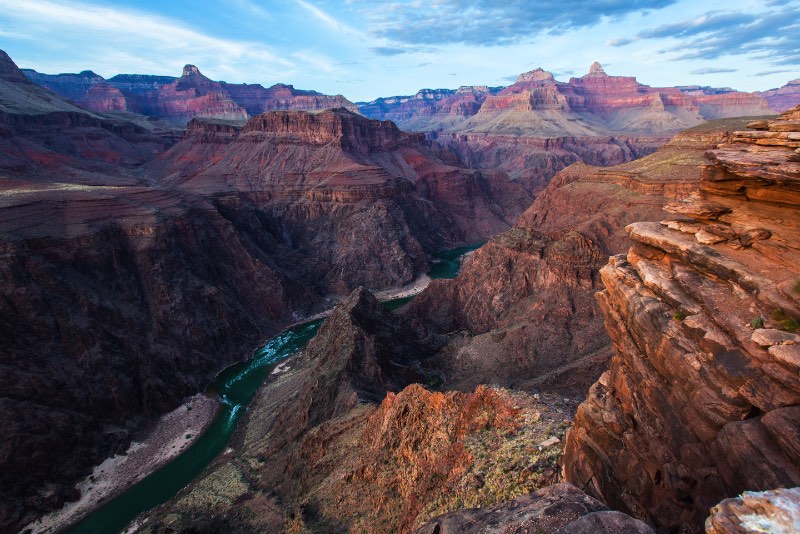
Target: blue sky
point(365, 49)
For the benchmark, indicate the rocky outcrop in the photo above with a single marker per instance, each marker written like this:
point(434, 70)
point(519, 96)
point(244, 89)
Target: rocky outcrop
point(776, 511)
point(783, 98)
point(701, 399)
point(181, 99)
point(537, 126)
point(326, 441)
point(539, 106)
point(524, 301)
point(360, 197)
point(557, 509)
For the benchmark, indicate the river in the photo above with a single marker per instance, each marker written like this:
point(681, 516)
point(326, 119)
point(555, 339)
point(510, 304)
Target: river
point(236, 386)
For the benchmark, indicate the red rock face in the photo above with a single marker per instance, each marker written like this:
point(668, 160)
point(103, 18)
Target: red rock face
point(180, 99)
point(103, 97)
point(538, 105)
point(783, 98)
point(700, 401)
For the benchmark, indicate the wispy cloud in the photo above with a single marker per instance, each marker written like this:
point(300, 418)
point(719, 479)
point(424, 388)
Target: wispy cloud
point(772, 36)
point(491, 22)
point(712, 70)
point(770, 72)
point(106, 36)
point(328, 19)
point(251, 8)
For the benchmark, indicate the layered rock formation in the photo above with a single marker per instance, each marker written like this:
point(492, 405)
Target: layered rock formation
point(181, 99)
point(701, 400)
point(783, 98)
point(538, 105)
point(532, 129)
point(524, 301)
point(356, 201)
point(323, 452)
point(131, 277)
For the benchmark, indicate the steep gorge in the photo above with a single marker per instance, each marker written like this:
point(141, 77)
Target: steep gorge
point(137, 260)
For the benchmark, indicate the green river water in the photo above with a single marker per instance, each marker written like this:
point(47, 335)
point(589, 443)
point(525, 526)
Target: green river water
point(236, 386)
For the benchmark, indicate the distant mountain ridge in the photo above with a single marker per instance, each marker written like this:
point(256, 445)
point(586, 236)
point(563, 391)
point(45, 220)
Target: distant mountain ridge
point(181, 99)
point(537, 105)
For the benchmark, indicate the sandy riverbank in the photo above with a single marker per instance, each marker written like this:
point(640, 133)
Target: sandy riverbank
point(409, 290)
point(173, 433)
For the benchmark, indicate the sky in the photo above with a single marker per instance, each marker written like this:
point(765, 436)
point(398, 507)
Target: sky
point(367, 49)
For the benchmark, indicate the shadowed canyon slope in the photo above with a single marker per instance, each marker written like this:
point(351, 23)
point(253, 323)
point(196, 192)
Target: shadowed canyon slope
point(524, 302)
point(702, 399)
point(138, 260)
point(181, 99)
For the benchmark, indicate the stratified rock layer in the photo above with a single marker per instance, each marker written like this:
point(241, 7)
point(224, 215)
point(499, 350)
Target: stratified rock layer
point(522, 307)
point(783, 98)
point(702, 399)
point(181, 99)
point(537, 126)
point(537, 105)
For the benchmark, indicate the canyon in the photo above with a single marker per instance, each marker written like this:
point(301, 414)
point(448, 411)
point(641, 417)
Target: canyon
point(129, 284)
point(375, 451)
point(154, 230)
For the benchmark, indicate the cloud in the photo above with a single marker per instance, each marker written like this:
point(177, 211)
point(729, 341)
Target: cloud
point(772, 36)
point(769, 72)
point(712, 70)
point(622, 41)
point(114, 40)
point(490, 22)
point(387, 50)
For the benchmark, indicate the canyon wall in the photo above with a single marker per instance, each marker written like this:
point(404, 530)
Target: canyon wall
point(522, 307)
point(179, 100)
point(701, 400)
point(537, 105)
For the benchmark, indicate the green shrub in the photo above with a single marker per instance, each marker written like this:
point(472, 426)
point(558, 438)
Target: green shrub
point(797, 286)
point(787, 323)
point(679, 316)
point(757, 322)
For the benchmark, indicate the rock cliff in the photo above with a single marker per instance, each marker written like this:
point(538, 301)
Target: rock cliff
point(783, 98)
point(179, 100)
point(537, 126)
point(701, 399)
point(363, 199)
point(328, 449)
point(524, 301)
point(537, 105)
